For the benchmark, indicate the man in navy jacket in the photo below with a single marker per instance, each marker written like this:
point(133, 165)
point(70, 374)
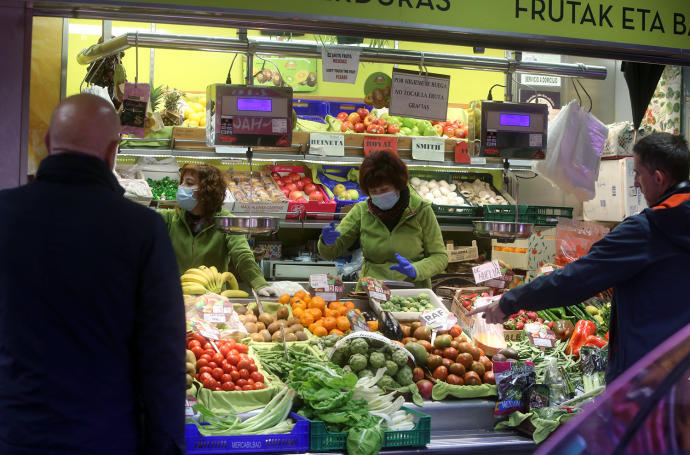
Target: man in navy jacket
point(92, 329)
point(646, 259)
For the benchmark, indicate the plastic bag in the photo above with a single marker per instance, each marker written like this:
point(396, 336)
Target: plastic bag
point(576, 139)
point(620, 140)
point(575, 238)
point(490, 335)
point(515, 382)
point(352, 268)
point(218, 311)
point(98, 91)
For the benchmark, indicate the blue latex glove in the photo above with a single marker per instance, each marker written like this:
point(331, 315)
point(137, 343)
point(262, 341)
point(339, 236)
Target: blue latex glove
point(404, 267)
point(329, 235)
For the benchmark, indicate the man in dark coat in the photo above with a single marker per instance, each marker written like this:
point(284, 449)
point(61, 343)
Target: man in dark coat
point(92, 329)
point(646, 259)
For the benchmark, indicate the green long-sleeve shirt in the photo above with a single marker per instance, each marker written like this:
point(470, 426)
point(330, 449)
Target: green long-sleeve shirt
point(211, 247)
point(417, 237)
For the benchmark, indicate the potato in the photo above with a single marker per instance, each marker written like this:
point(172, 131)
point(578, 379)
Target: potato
point(266, 335)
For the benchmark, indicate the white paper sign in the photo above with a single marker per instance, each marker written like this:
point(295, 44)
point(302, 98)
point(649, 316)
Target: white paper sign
point(541, 80)
point(319, 281)
point(438, 319)
point(428, 148)
point(340, 64)
point(422, 96)
point(327, 144)
point(215, 317)
point(486, 272)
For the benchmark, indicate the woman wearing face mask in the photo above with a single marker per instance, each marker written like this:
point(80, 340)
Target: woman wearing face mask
point(194, 236)
point(398, 231)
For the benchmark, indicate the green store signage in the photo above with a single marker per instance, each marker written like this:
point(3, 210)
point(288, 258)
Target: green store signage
point(664, 24)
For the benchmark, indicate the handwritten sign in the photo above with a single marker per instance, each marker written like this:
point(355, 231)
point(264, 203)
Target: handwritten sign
point(417, 95)
point(319, 281)
point(372, 143)
point(340, 64)
point(486, 272)
point(327, 144)
point(428, 148)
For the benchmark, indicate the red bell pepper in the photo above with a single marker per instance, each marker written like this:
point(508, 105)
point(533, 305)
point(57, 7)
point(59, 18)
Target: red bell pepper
point(595, 341)
point(582, 330)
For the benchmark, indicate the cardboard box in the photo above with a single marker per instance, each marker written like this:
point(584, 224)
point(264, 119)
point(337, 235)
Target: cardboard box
point(530, 253)
point(184, 137)
point(616, 197)
point(462, 253)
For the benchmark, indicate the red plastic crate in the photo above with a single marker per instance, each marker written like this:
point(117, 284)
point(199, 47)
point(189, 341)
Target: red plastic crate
point(303, 210)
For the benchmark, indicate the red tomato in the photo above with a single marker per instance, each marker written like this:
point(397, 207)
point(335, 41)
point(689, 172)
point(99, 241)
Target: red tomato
point(242, 348)
point(360, 127)
point(218, 389)
point(241, 382)
point(201, 363)
point(200, 338)
point(197, 351)
point(243, 364)
point(218, 358)
point(248, 387)
point(227, 386)
point(244, 374)
point(238, 388)
point(210, 352)
point(205, 376)
point(208, 345)
point(227, 368)
point(250, 381)
point(212, 365)
point(259, 385)
point(193, 343)
point(342, 116)
point(233, 358)
point(235, 375)
point(252, 368)
point(226, 378)
point(197, 377)
point(217, 373)
point(207, 383)
point(203, 370)
point(225, 349)
point(257, 377)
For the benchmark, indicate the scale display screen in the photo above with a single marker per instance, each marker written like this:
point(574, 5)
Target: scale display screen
point(514, 120)
point(255, 104)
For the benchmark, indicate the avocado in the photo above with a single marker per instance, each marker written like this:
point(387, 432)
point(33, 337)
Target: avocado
point(418, 352)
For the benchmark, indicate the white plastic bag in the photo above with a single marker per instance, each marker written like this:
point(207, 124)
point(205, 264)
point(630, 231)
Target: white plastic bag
point(98, 91)
point(575, 141)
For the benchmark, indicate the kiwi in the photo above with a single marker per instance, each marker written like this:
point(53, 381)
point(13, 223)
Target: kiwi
point(311, 79)
point(241, 310)
point(294, 320)
point(283, 312)
point(266, 335)
point(301, 336)
point(277, 336)
point(250, 318)
point(260, 326)
point(242, 318)
point(257, 337)
point(297, 327)
point(290, 337)
point(274, 327)
point(282, 321)
point(266, 318)
point(251, 327)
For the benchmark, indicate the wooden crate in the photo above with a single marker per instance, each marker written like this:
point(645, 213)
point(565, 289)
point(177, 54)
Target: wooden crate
point(184, 137)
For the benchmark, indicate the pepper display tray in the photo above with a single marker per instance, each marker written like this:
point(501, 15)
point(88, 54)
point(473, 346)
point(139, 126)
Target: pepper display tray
point(410, 316)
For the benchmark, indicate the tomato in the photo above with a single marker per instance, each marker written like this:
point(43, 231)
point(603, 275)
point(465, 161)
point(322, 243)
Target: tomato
point(226, 378)
point(200, 338)
point(257, 377)
point(193, 344)
point(205, 376)
point(207, 383)
point(242, 348)
point(248, 387)
point(241, 382)
point(197, 377)
point(243, 364)
point(259, 386)
point(201, 363)
point(218, 358)
point(227, 386)
point(218, 389)
point(203, 370)
point(217, 373)
point(244, 374)
point(210, 352)
point(235, 375)
point(225, 349)
point(208, 346)
point(233, 359)
point(212, 365)
point(238, 388)
point(197, 351)
point(250, 381)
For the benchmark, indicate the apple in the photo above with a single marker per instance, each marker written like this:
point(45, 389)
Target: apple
point(449, 131)
point(354, 118)
point(346, 126)
point(275, 176)
point(439, 129)
point(306, 180)
point(342, 116)
point(316, 196)
point(372, 128)
point(369, 119)
point(292, 187)
point(286, 192)
point(353, 194)
point(294, 176)
point(309, 188)
point(294, 195)
point(339, 189)
point(382, 122)
point(362, 112)
point(300, 185)
point(393, 128)
point(280, 182)
point(360, 127)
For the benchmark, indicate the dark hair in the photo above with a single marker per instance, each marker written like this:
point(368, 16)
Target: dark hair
point(666, 152)
point(211, 193)
point(382, 167)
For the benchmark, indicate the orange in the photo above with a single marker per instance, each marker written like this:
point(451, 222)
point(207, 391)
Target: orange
point(318, 302)
point(320, 331)
point(342, 311)
point(312, 327)
point(373, 325)
point(299, 304)
point(336, 332)
point(298, 312)
point(329, 323)
point(315, 312)
point(329, 312)
point(307, 298)
point(306, 319)
point(349, 305)
point(342, 323)
point(334, 305)
point(285, 298)
point(299, 294)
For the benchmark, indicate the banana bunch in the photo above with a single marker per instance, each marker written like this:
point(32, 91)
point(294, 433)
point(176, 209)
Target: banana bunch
point(203, 280)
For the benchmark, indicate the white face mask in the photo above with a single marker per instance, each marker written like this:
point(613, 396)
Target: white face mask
point(385, 201)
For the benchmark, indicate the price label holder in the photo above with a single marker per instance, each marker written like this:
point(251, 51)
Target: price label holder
point(327, 144)
point(461, 156)
point(282, 333)
point(372, 143)
point(189, 404)
point(438, 320)
point(540, 335)
point(325, 286)
point(377, 290)
point(372, 336)
point(485, 272)
point(358, 322)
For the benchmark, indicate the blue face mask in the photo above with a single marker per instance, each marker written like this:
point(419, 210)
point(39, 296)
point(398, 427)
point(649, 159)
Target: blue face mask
point(385, 201)
point(185, 198)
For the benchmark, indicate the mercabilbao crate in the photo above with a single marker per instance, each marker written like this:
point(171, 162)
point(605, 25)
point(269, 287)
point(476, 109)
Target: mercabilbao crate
point(535, 214)
point(297, 441)
point(323, 440)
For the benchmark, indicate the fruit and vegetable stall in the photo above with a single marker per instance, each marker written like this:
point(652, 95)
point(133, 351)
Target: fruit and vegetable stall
point(306, 374)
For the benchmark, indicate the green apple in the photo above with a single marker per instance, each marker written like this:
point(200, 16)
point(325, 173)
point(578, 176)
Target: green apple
point(353, 194)
point(339, 189)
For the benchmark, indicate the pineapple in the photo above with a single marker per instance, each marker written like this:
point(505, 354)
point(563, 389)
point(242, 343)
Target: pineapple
point(171, 114)
point(155, 99)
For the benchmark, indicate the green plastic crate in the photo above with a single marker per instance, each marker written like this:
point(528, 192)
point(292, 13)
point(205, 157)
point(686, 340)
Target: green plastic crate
point(534, 214)
point(322, 440)
point(455, 213)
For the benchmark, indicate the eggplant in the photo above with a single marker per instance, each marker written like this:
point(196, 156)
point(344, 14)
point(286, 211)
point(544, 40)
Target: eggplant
point(368, 316)
point(389, 326)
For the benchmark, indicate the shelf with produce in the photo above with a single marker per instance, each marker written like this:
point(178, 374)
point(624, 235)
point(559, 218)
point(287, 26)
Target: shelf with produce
point(295, 224)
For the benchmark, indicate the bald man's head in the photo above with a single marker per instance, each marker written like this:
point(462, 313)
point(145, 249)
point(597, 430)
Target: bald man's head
point(87, 124)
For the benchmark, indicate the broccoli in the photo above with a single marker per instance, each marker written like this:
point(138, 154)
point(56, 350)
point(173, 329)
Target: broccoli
point(377, 360)
point(391, 367)
point(359, 346)
point(400, 357)
point(404, 376)
point(365, 374)
point(340, 356)
point(386, 382)
point(358, 362)
point(347, 370)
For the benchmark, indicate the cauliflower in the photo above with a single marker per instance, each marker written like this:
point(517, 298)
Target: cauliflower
point(391, 367)
point(400, 357)
point(340, 356)
point(365, 374)
point(359, 346)
point(386, 382)
point(404, 376)
point(358, 362)
point(377, 360)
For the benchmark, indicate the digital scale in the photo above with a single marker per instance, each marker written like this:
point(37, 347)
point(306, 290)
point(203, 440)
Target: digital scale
point(241, 115)
point(297, 270)
point(507, 130)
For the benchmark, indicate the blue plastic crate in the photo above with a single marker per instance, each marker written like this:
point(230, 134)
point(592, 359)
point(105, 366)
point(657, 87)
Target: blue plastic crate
point(313, 110)
point(296, 441)
point(336, 107)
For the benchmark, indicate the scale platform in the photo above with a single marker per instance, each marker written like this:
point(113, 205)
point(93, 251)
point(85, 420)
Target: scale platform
point(297, 270)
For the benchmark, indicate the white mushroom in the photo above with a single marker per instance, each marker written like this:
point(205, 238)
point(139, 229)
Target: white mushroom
point(452, 187)
point(415, 181)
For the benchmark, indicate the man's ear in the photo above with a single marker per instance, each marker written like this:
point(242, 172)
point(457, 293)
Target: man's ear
point(111, 154)
point(661, 179)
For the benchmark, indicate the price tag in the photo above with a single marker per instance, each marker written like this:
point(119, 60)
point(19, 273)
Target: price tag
point(377, 290)
point(461, 155)
point(327, 144)
point(372, 143)
point(540, 335)
point(358, 322)
point(486, 272)
point(547, 269)
point(438, 319)
point(216, 318)
point(319, 281)
point(428, 148)
point(188, 410)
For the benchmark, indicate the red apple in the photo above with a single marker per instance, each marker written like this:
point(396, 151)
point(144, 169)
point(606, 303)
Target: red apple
point(354, 118)
point(309, 188)
point(359, 127)
point(458, 132)
point(362, 112)
point(305, 180)
point(275, 176)
point(294, 176)
point(280, 182)
point(346, 126)
point(300, 185)
point(286, 192)
point(294, 195)
point(342, 116)
point(316, 196)
point(292, 187)
point(393, 129)
point(382, 122)
point(439, 129)
point(368, 120)
point(449, 131)
point(372, 128)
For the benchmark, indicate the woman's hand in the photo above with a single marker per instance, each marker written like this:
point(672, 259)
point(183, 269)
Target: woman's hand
point(404, 267)
point(329, 235)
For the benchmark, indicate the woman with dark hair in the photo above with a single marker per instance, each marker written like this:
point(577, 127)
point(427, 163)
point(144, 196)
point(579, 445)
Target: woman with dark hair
point(194, 236)
point(398, 231)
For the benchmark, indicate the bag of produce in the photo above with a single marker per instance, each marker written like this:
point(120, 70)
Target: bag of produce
point(515, 382)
